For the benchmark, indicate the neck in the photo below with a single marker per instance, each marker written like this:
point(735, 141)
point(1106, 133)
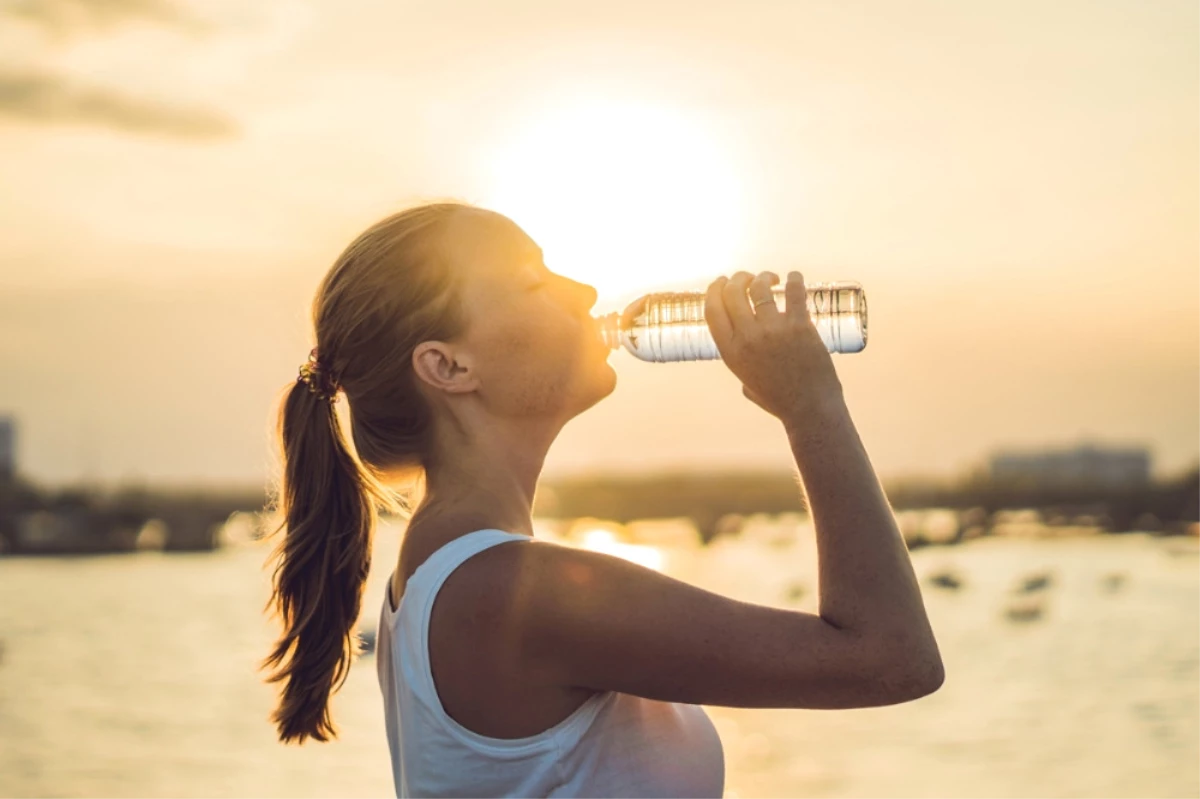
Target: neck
point(488, 477)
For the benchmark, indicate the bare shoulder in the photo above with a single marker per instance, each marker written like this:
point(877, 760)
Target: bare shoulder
point(499, 594)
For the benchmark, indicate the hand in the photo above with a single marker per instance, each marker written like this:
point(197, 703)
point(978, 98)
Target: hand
point(784, 366)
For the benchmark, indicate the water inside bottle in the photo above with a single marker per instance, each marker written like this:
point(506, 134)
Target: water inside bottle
point(670, 326)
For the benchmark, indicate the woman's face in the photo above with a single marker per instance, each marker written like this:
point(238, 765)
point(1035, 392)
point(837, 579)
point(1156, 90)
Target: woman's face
point(536, 347)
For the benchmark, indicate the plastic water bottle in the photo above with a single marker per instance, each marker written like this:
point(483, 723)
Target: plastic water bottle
point(670, 326)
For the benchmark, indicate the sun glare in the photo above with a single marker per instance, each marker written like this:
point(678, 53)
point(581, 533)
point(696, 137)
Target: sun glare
point(623, 196)
point(601, 540)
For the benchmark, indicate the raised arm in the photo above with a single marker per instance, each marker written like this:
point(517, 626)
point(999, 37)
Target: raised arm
point(591, 620)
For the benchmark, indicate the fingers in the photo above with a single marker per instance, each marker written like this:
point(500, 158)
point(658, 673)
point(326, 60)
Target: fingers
point(762, 298)
point(737, 304)
point(796, 295)
point(742, 300)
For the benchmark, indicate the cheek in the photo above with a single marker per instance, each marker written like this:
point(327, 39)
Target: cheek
point(532, 365)
point(536, 341)
point(520, 342)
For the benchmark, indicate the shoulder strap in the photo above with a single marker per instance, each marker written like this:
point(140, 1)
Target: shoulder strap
point(424, 584)
point(422, 589)
point(416, 631)
point(438, 566)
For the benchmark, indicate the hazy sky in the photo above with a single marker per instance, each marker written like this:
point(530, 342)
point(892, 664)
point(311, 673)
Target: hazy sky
point(1015, 184)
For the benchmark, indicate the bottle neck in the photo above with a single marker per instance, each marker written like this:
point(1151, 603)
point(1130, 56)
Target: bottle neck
point(610, 329)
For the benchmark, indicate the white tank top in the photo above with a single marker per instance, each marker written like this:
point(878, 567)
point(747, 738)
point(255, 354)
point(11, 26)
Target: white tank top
point(614, 744)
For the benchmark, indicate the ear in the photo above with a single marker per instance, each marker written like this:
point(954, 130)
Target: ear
point(444, 367)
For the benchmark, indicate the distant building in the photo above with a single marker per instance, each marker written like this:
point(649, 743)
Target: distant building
point(8, 449)
point(1084, 465)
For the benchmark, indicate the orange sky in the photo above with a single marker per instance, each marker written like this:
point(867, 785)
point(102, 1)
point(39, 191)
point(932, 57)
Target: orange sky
point(1015, 184)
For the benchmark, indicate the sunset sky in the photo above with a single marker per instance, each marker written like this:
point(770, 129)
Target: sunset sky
point(1015, 184)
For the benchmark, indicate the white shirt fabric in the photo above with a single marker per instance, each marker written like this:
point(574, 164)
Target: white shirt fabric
point(614, 744)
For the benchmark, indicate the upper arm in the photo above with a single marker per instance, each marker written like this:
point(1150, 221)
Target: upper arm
point(592, 620)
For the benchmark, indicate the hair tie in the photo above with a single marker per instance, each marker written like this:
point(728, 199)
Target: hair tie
point(318, 378)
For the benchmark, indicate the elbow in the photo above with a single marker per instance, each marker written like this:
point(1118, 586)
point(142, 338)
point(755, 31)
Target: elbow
point(924, 680)
point(895, 684)
point(907, 669)
point(912, 673)
point(919, 676)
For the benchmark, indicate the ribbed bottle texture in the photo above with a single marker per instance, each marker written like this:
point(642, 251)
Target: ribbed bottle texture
point(670, 326)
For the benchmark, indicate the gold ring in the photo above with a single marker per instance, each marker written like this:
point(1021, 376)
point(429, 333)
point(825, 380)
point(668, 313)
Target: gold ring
point(763, 302)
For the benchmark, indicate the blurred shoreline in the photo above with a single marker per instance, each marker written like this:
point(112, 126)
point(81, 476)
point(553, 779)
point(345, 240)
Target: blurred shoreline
point(88, 521)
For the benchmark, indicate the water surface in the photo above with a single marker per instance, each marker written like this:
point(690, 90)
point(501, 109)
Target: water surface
point(135, 675)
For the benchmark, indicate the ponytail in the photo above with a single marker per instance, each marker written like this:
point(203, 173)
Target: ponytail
point(390, 290)
point(329, 507)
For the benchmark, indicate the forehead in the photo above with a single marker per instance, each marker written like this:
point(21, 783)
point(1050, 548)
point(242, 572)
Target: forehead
point(490, 246)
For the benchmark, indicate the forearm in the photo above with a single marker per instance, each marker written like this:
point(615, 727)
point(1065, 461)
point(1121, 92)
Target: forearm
point(867, 583)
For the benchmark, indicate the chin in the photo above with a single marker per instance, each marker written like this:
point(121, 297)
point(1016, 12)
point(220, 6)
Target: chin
point(599, 385)
point(610, 379)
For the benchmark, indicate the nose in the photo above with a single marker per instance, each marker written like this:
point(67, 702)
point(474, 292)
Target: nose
point(582, 292)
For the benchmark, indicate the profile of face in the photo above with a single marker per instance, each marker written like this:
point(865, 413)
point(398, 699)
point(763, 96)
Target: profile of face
point(531, 348)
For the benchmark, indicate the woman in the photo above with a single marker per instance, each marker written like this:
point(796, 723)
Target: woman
point(545, 670)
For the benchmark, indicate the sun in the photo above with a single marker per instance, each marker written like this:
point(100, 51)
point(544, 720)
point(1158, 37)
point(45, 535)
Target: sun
point(622, 195)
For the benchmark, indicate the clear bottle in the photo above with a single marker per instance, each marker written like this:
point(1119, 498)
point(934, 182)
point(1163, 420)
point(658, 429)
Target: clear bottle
point(670, 326)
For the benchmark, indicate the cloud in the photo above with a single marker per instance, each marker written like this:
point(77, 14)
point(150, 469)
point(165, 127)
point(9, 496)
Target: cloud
point(69, 16)
point(52, 99)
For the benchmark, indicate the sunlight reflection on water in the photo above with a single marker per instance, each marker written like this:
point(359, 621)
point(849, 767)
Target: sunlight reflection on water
point(134, 675)
point(604, 541)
